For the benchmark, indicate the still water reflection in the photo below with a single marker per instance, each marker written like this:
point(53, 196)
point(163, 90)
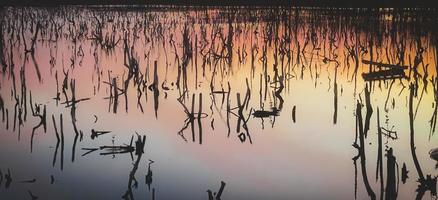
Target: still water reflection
point(218, 103)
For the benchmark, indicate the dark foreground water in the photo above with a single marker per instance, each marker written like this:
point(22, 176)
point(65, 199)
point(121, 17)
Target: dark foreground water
point(218, 103)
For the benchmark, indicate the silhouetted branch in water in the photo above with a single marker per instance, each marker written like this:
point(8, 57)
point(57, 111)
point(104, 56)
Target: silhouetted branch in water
point(132, 64)
point(389, 133)
point(428, 183)
point(7, 119)
point(241, 119)
point(216, 196)
point(412, 136)
point(73, 105)
point(277, 92)
point(379, 166)
point(434, 117)
point(384, 72)
point(219, 91)
point(107, 43)
point(404, 174)
point(384, 65)
point(384, 75)
point(114, 93)
point(119, 149)
point(33, 41)
point(89, 150)
point(2, 108)
point(335, 96)
point(391, 191)
point(199, 118)
point(264, 113)
point(95, 118)
point(29, 181)
point(148, 179)
point(23, 100)
point(32, 196)
point(37, 69)
point(57, 98)
point(61, 122)
point(65, 85)
point(433, 153)
point(132, 181)
point(154, 87)
point(8, 179)
point(361, 150)
point(59, 139)
point(70, 103)
point(294, 113)
point(3, 64)
point(17, 107)
point(111, 150)
point(95, 134)
point(36, 112)
point(369, 111)
point(191, 116)
point(140, 144)
point(31, 50)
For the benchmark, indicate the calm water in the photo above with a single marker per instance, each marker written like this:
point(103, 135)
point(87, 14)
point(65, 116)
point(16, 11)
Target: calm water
point(168, 103)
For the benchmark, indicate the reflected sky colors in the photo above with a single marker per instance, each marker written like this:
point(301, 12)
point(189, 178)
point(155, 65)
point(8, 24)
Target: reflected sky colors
point(266, 100)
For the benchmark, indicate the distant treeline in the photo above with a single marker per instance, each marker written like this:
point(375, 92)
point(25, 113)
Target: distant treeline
point(304, 3)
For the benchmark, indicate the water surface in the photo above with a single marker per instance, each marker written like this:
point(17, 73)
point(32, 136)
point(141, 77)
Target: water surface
point(171, 102)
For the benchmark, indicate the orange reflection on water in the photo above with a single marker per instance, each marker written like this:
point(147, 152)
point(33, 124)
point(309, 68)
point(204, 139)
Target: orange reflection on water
point(279, 92)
